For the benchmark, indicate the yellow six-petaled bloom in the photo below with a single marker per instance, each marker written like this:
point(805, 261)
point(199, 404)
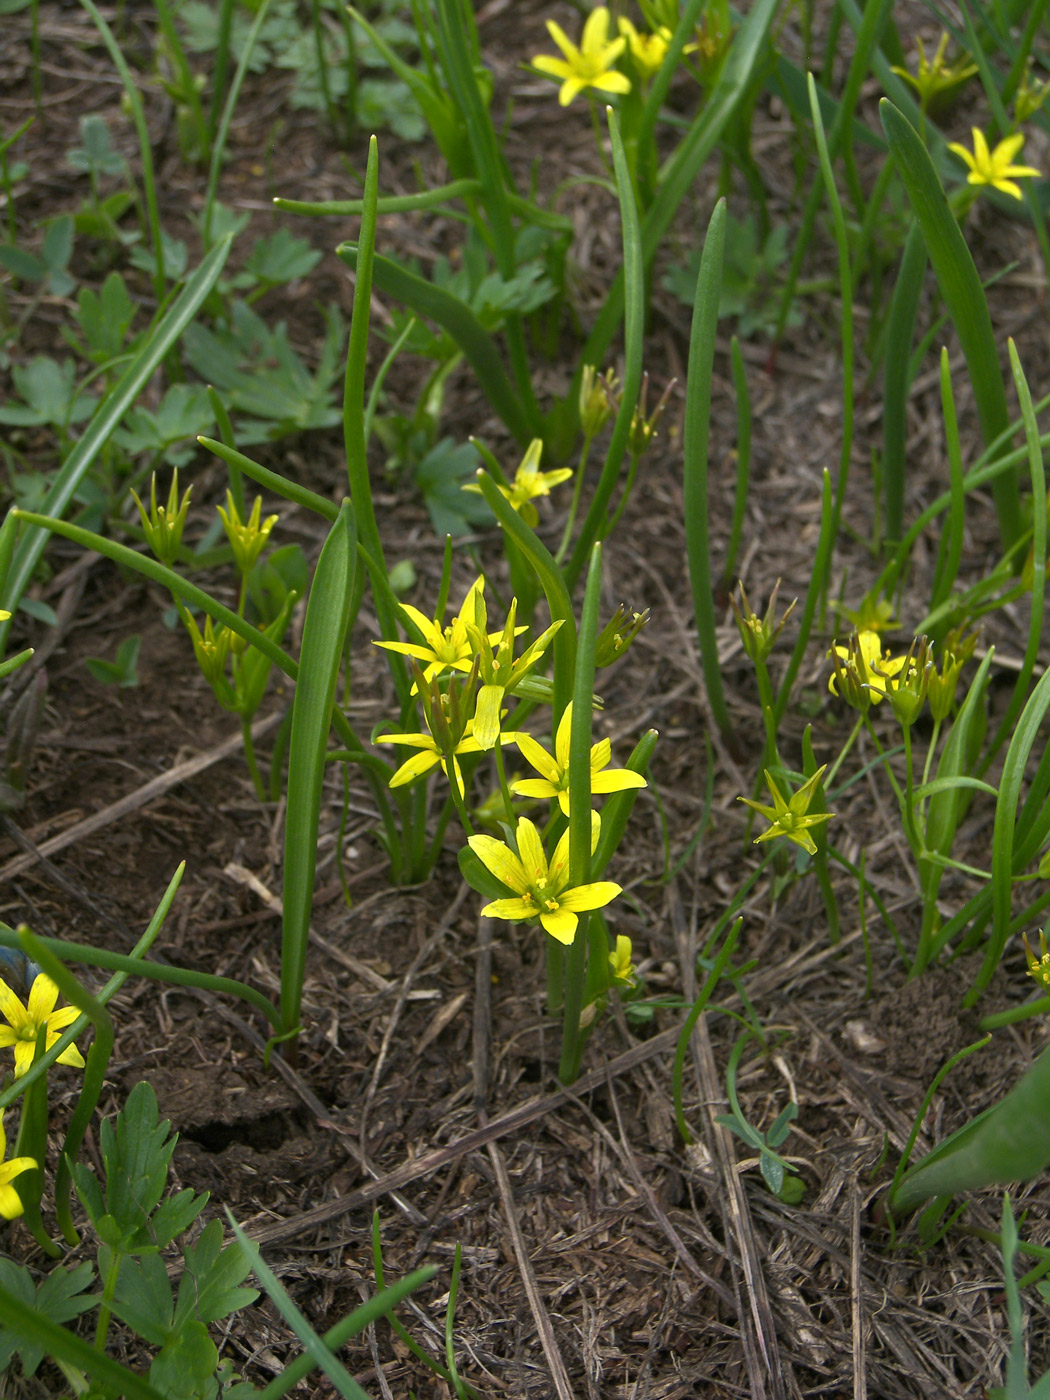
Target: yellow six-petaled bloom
point(994, 168)
point(541, 890)
point(25, 1022)
point(590, 65)
point(554, 769)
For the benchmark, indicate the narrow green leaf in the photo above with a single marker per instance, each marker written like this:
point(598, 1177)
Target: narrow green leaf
point(695, 455)
point(963, 295)
point(634, 335)
point(900, 332)
point(680, 172)
point(61, 1345)
point(324, 632)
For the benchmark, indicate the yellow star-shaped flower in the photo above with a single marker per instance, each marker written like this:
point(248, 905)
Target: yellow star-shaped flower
point(554, 769)
point(529, 483)
point(24, 1023)
point(444, 648)
point(994, 167)
point(590, 65)
point(540, 889)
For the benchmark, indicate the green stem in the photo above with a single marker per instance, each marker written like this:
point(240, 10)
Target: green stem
point(251, 760)
point(713, 978)
point(831, 908)
point(570, 520)
point(914, 839)
point(829, 777)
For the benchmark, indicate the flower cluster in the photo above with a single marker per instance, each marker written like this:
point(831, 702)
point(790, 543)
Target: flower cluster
point(464, 676)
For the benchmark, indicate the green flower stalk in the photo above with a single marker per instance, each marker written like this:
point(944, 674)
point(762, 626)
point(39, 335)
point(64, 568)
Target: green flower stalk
point(163, 525)
point(792, 818)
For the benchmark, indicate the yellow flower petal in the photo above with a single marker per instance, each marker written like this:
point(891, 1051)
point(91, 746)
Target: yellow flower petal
point(530, 849)
point(561, 924)
point(11, 1008)
point(594, 896)
point(500, 860)
point(616, 780)
point(415, 767)
point(513, 909)
point(487, 715)
point(42, 997)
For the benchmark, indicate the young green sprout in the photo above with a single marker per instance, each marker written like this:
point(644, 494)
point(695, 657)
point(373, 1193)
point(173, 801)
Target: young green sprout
point(247, 538)
point(596, 400)
point(934, 80)
point(759, 634)
point(163, 525)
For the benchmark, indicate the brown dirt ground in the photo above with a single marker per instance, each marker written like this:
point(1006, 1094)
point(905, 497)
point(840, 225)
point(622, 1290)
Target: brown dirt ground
point(663, 1273)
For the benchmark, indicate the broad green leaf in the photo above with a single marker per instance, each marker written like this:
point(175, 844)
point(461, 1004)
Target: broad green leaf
point(1009, 1142)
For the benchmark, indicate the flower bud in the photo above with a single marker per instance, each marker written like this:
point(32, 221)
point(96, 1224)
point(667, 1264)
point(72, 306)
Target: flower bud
point(596, 400)
point(163, 525)
point(759, 634)
point(618, 634)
